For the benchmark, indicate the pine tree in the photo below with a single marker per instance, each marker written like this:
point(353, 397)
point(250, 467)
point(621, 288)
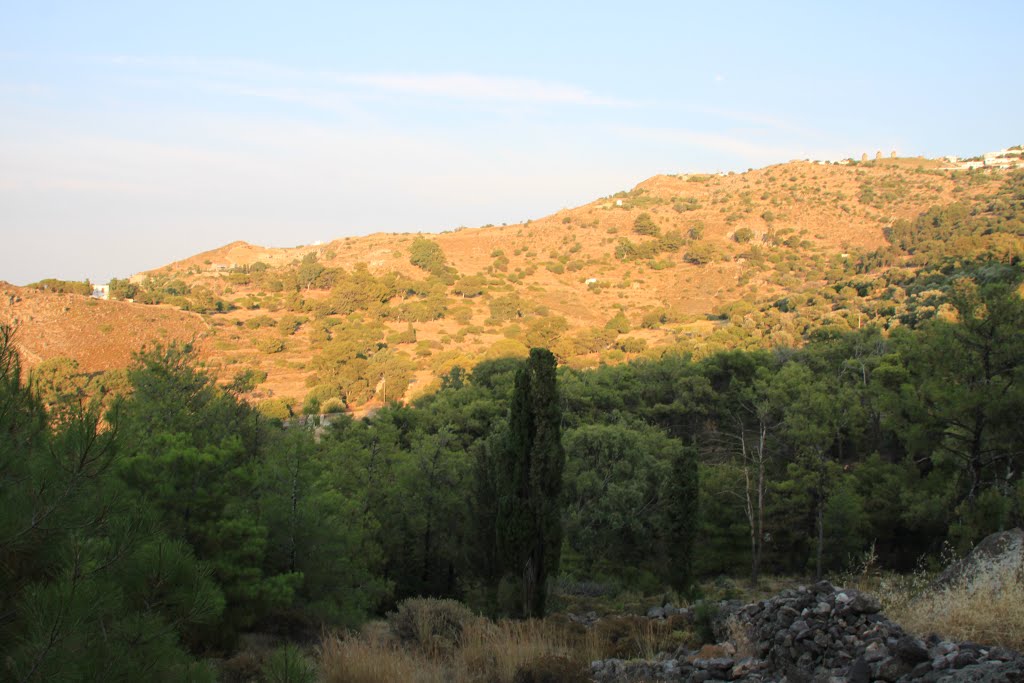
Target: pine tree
point(529, 525)
point(90, 588)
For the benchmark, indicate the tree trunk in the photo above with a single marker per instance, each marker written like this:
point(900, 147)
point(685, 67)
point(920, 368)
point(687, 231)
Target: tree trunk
point(820, 514)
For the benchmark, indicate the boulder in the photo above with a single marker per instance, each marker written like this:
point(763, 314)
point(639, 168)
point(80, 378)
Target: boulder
point(1001, 553)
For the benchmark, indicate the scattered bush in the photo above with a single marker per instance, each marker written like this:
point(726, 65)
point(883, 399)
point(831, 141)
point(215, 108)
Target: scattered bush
point(743, 235)
point(434, 626)
point(704, 615)
point(269, 345)
point(645, 225)
point(288, 665)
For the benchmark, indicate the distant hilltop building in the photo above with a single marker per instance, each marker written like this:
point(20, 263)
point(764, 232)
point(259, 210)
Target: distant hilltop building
point(101, 291)
point(851, 160)
point(1012, 157)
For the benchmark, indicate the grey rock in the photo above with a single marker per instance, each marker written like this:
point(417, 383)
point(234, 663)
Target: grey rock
point(875, 652)
point(998, 552)
point(859, 671)
point(911, 650)
point(964, 658)
point(890, 669)
point(862, 603)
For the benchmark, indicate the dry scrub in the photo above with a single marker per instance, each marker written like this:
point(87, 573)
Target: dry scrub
point(486, 652)
point(985, 607)
point(428, 641)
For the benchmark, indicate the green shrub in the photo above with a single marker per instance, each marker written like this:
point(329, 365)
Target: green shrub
point(704, 615)
point(288, 665)
point(645, 225)
point(743, 235)
point(332, 405)
point(619, 323)
point(270, 345)
point(632, 344)
point(275, 408)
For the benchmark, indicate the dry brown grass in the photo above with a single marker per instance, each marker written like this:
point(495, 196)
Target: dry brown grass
point(988, 609)
point(354, 660)
point(496, 651)
point(740, 637)
point(487, 652)
point(985, 606)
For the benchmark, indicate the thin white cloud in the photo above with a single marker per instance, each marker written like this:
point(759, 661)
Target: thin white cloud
point(747, 149)
point(471, 86)
point(289, 83)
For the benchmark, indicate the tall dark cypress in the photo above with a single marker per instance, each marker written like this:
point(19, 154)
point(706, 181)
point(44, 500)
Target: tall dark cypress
point(681, 509)
point(529, 524)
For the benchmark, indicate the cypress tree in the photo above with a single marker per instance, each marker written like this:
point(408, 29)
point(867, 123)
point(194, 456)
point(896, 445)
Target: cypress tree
point(681, 509)
point(529, 524)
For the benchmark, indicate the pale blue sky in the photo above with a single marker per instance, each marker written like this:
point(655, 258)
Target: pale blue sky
point(136, 133)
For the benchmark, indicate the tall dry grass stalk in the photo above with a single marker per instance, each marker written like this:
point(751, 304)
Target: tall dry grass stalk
point(487, 653)
point(354, 660)
point(495, 651)
point(987, 608)
point(740, 637)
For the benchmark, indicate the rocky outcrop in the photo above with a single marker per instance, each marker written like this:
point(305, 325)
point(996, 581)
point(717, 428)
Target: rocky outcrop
point(821, 633)
point(999, 554)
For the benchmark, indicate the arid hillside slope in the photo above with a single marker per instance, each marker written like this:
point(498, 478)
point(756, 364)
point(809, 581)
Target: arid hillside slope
point(667, 264)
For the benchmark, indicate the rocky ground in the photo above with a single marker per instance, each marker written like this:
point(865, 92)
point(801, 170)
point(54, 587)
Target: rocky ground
point(812, 634)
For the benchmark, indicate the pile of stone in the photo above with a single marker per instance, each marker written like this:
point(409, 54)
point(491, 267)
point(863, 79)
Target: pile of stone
point(820, 633)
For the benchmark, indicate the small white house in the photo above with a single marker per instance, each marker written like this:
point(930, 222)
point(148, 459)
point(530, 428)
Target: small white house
point(101, 291)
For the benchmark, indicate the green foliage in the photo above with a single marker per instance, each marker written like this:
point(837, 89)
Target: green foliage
point(428, 255)
point(632, 344)
point(702, 253)
point(618, 323)
point(681, 496)
point(529, 482)
point(92, 588)
point(704, 615)
point(287, 664)
point(645, 225)
point(83, 288)
point(508, 307)
point(743, 235)
point(122, 289)
point(612, 472)
point(309, 271)
point(275, 409)
point(470, 286)
point(269, 345)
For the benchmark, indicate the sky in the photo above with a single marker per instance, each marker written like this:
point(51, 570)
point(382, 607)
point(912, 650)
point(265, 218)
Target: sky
point(133, 134)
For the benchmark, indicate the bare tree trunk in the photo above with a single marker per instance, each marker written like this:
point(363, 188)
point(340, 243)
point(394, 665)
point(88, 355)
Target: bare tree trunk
point(761, 483)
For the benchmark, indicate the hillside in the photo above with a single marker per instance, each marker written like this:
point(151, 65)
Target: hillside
point(691, 263)
point(99, 335)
